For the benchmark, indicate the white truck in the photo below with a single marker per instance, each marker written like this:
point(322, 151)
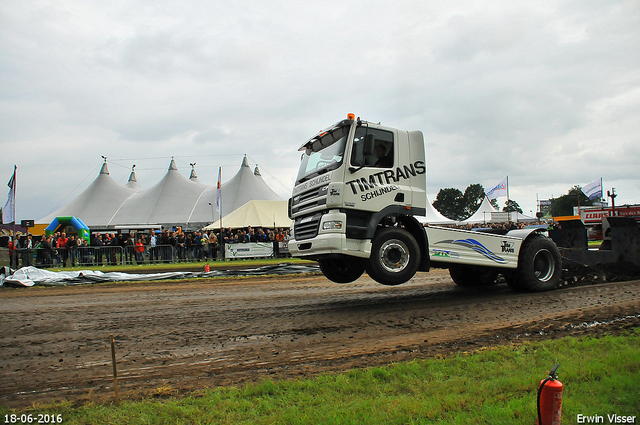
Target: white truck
point(357, 203)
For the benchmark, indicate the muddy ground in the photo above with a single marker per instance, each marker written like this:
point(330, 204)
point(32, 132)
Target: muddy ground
point(177, 337)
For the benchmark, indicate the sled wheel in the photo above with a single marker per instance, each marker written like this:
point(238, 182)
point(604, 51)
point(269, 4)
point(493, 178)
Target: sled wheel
point(342, 270)
point(394, 256)
point(539, 265)
point(472, 276)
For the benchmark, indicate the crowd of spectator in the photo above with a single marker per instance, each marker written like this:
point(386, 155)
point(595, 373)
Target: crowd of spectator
point(155, 246)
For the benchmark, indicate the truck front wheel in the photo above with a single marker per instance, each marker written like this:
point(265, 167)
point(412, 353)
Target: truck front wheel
point(394, 257)
point(342, 270)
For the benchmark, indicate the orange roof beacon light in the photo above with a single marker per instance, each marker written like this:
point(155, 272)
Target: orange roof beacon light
point(351, 116)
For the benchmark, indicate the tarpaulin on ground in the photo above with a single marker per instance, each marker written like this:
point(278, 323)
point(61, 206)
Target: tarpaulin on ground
point(32, 276)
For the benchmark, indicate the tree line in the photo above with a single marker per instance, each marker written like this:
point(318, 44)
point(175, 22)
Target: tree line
point(456, 205)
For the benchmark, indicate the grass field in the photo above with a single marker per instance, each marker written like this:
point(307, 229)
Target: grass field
point(497, 385)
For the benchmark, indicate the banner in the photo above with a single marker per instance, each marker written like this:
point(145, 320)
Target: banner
point(593, 190)
point(9, 210)
point(499, 190)
point(248, 250)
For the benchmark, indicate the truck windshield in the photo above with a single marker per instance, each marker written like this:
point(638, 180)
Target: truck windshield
point(323, 153)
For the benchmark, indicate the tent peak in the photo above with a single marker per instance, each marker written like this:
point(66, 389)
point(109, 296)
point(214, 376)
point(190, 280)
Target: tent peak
point(132, 176)
point(245, 162)
point(256, 172)
point(193, 175)
point(104, 169)
point(172, 165)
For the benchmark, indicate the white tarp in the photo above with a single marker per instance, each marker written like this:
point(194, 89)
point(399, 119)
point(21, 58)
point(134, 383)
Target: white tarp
point(32, 276)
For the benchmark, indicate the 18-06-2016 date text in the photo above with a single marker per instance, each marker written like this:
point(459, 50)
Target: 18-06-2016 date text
point(30, 418)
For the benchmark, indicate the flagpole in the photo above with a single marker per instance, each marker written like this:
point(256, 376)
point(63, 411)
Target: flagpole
point(507, 188)
point(15, 171)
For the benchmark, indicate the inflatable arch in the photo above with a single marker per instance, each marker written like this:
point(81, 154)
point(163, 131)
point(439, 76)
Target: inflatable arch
point(81, 229)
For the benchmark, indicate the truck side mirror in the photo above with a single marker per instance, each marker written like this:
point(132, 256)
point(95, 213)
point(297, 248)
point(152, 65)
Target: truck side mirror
point(361, 149)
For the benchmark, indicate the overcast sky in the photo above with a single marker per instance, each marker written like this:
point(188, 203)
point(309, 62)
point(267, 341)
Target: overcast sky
point(547, 93)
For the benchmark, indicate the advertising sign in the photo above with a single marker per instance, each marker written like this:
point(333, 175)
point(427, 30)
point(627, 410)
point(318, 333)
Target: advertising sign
point(248, 250)
point(594, 215)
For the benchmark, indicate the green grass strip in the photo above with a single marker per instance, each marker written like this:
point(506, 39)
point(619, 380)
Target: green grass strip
point(497, 385)
point(213, 265)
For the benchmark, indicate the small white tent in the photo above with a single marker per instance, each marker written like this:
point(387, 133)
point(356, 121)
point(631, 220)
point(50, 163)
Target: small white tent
point(256, 214)
point(482, 214)
point(434, 217)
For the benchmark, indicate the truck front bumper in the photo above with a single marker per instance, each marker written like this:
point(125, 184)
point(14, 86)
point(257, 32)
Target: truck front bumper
point(332, 243)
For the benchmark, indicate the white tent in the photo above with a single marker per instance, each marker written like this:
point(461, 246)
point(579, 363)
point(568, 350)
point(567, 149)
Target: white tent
point(170, 202)
point(434, 217)
point(174, 201)
point(256, 214)
point(482, 214)
point(98, 203)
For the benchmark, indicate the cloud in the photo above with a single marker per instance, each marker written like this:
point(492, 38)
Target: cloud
point(546, 93)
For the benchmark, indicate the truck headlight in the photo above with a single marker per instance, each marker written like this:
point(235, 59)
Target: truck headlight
point(332, 225)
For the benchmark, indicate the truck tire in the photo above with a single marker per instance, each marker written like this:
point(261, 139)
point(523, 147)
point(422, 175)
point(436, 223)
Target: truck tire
point(395, 256)
point(472, 276)
point(342, 270)
point(539, 266)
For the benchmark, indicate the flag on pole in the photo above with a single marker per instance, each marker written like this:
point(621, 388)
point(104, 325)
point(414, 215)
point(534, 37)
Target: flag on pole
point(593, 190)
point(9, 210)
point(499, 190)
point(219, 192)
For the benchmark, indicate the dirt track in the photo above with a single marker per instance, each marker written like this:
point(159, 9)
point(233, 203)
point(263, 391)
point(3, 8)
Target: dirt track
point(177, 337)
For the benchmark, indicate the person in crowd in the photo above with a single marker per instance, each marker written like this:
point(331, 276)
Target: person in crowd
point(204, 245)
point(46, 247)
point(153, 241)
point(14, 250)
point(71, 250)
point(197, 246)
point(27, 251)
point(129, 248)
point(98, 252)
point(139, 250)
point(63, 252)
point(173, 241)
point(213, 245)
point(181, 246)
point(85, 255)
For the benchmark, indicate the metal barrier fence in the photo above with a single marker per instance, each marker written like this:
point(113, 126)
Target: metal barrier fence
point(114, 255)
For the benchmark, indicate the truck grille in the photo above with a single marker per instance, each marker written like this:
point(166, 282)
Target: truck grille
point(313, 198)
point(306, 227)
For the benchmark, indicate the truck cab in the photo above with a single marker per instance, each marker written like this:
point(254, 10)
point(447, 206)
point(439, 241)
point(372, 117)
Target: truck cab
point(356, 179)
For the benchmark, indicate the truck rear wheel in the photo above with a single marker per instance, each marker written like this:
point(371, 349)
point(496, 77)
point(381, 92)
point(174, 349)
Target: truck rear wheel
point(472, 276)
point(539, 266)
point(342, 270)
point(394, 256)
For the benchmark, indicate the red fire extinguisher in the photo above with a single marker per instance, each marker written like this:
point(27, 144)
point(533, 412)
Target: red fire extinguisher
point(550, 399)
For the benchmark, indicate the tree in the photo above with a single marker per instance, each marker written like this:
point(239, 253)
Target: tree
point(472, 198)
point(564, 205)
point(453, 204)
point(512, 206)
point(449, 203)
